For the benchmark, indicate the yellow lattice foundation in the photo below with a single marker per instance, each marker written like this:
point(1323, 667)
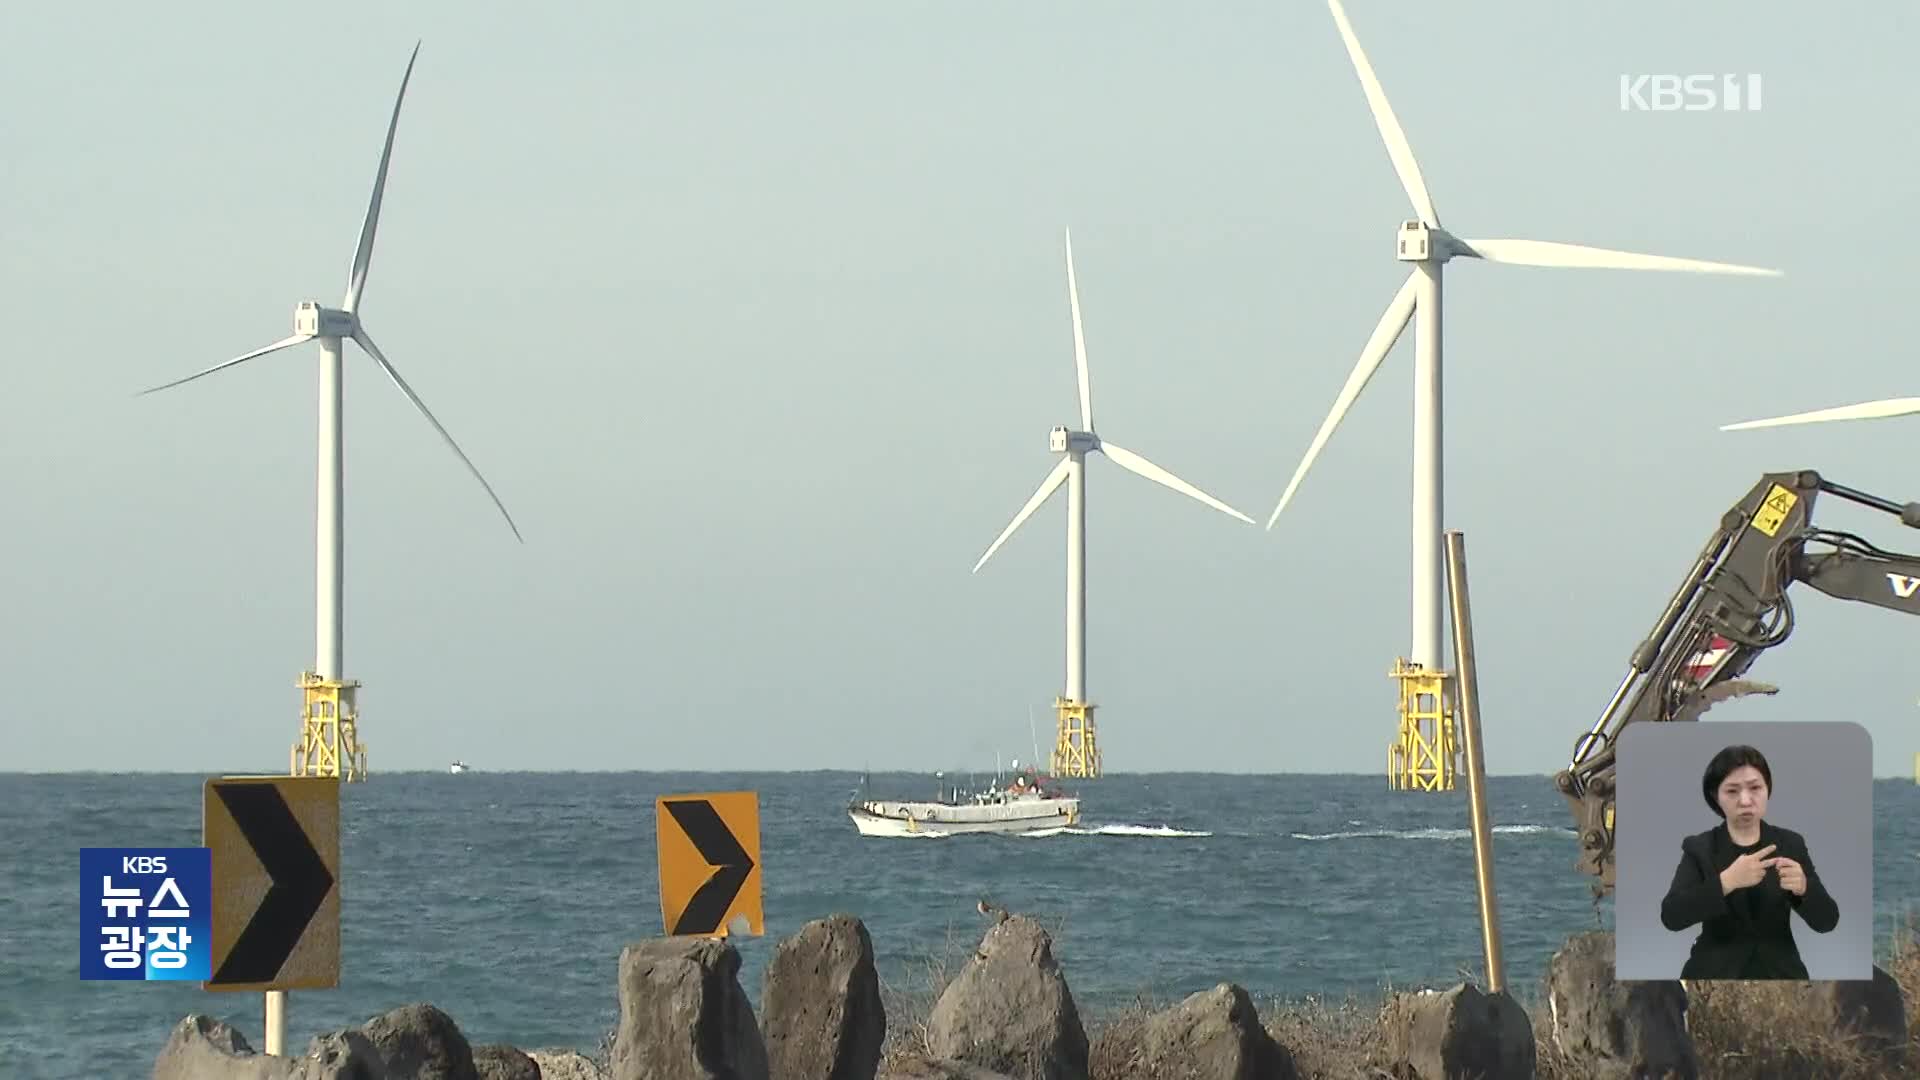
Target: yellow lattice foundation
point(329, 738)
point(1424, 755)
point(1076, 752)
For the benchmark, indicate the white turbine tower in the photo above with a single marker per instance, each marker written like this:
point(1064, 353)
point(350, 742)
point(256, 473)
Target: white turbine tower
point(329, 745)
point(1076, 741)
point(1866, 410)
point(1428, 246)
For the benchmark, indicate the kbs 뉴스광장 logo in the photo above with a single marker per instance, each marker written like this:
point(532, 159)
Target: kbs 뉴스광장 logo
point(146, 914)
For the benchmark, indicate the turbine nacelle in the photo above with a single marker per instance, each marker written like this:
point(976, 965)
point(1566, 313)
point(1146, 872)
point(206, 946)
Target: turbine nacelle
point(313, 320)
point(1419, 242)
point(1063, 440)
point(1416, 242)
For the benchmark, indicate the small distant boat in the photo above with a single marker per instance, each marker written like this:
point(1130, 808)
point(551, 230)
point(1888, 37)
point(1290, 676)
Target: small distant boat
point(457, 768)
point(1027, 803)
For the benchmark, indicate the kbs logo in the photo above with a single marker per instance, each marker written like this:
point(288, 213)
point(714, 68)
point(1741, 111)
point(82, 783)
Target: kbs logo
point(1689, 93)
point(146, 914)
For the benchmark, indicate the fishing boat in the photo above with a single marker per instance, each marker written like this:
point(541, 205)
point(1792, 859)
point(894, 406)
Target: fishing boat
point(457, 768)
point(1029, 802)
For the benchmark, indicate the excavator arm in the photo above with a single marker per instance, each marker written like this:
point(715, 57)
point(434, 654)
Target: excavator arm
point(1731, 607)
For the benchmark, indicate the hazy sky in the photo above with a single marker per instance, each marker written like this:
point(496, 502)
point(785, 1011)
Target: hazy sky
point(757, 321)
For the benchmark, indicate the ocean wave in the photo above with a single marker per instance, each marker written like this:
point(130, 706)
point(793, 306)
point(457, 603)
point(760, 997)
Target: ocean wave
point(1117, 830)
point(1435, 833)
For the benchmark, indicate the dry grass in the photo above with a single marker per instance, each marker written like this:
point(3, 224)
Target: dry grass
point(1741, 1031)
point(1327, 1038)
point(1762, 1029)
point(910, 1007)
point(602, 1055)
point(1114, 1038)
point(1747, 1030)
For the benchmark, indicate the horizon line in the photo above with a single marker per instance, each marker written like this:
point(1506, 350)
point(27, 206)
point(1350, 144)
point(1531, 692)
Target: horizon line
point(470, 770)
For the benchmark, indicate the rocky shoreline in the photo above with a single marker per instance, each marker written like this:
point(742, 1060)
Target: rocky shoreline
point(1008, 1015)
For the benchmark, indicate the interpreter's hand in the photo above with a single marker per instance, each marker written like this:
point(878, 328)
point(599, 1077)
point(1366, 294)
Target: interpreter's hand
point(1793, 877)
point(1747, 870)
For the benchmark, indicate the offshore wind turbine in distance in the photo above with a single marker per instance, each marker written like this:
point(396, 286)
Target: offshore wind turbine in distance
point(1082, 754)
point(332, 327)
point(1425, 244)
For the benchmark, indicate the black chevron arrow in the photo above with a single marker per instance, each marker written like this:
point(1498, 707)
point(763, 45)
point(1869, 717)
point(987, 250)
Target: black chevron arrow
point(716, 844)
point(300, 882)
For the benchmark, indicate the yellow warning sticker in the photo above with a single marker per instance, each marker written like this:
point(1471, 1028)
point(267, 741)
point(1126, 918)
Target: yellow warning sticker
point(1773, 510)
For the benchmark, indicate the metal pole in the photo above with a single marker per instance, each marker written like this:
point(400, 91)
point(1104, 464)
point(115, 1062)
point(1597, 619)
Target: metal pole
point(1469, 712)
point(276, 1021)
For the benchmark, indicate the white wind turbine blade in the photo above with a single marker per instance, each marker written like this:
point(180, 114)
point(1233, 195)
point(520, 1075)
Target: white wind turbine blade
point(363, 252)
point(1134, 463)
point(1079, 344)
point(365, 342)
point(1385, 334)
point(1047, 487)
point(1866, 410)
point(283, 343)
point(1551, 253)
point(1397, 146)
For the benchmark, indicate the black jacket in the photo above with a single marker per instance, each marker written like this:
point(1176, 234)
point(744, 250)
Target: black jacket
point(1745, 934)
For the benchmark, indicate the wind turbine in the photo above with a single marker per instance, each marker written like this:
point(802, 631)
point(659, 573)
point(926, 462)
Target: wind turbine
point(1074, 446)
point(1428, 246)
point(1866, 410)
point(332, 326)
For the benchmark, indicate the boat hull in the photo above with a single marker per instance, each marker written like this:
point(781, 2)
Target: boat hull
point(879, 818)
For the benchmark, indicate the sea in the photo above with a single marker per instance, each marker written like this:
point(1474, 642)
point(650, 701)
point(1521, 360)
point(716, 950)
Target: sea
point(505, 898)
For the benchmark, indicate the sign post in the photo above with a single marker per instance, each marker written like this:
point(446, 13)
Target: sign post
point(275, 843)
point(709, 852)
point(1469, 685)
